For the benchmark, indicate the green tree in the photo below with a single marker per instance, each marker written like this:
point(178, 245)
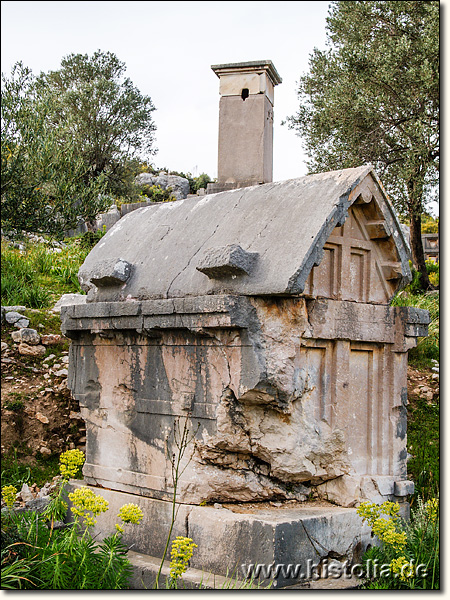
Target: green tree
point(110, 120)
point(373, 97)
point(201, 181)
point(429, 224)
point(43, 184)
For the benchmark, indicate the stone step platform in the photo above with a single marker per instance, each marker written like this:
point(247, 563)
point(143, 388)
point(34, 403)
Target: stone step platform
point(293, 538)
point(145, 570)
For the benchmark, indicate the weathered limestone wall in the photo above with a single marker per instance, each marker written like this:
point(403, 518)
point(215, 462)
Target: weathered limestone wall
point(270, 384)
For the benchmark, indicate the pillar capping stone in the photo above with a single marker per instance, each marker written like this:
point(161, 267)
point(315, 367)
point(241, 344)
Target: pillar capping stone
point(257, 66)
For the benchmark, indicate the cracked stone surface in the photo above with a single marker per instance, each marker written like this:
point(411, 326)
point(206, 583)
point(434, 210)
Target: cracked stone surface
point(273, 410)
point(164, 242)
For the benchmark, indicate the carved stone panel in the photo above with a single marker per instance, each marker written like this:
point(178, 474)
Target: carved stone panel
point(360, 262)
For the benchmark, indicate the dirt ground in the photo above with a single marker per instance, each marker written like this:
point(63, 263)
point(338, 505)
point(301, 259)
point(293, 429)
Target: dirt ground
point(423, 383)
point(38, 414)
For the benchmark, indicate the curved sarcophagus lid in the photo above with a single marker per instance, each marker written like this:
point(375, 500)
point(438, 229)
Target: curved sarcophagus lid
point(263, 240)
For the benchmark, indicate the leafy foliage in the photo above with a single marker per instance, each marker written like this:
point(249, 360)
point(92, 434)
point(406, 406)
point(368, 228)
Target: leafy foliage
point(373, 97)
point(414, 562)
point(110, 121)
point(35, 555)
point(155, 193)
point(429, 224)
point(427, 348)
point(201, 181)
point(43, 182)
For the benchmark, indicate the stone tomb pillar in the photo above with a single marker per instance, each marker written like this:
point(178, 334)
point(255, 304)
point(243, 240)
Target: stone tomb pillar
point(245, 124)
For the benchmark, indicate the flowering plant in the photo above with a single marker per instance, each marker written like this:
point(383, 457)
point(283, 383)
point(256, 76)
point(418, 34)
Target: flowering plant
point(410, 550)
point(70, 463)
point(129, 513)
point(9, 493)
point(181, 553)
point(85, 502)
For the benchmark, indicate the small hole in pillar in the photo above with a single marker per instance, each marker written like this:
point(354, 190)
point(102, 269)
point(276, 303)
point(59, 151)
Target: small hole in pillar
point(244, 93)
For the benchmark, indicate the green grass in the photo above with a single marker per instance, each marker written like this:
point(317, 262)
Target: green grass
point(39, 470)
point(37, 276)
point(427, 347)
point(423, 417)
point(423, 445)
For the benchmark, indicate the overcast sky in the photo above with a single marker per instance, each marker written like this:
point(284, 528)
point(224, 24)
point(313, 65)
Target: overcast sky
point(168, 48)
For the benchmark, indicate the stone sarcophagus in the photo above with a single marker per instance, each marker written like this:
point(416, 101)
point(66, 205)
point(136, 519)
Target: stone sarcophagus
point(261, 315)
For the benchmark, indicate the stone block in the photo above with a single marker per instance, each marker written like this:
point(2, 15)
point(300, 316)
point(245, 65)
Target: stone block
point(233, 538)
point(111, 273)
point(228, 261)
point(108, 219)
point(36, 350)
point(51, 339)
point(16, 319)
point(67, 300)
point(403, 488)
point(27, 336)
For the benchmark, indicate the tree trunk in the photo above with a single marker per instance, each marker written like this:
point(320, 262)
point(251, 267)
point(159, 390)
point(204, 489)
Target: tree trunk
point(418, 256)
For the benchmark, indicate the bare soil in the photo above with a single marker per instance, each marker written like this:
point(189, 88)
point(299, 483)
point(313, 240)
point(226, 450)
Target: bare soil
point(39, 416)
point(422, 383)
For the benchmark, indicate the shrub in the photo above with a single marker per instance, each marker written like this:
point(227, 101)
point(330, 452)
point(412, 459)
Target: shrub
point(35, 555)
point(201, 181)
point(409, 549)
point(427, 347)
point(155, 193)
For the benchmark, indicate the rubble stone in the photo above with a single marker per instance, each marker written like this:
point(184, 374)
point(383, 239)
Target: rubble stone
point(27, 336)
point(26, 350)
point(51, 339)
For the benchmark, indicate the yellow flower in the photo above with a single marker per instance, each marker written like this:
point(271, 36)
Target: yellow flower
point(129, 513)
point(181, 553)
point(85, 501)
point(9, 493)
point(371, 512)
point(432, 508)
point(384, 529)
point(402, 567)
point(70, 463)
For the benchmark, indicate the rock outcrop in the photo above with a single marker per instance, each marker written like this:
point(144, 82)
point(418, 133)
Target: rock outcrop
point(179, 185)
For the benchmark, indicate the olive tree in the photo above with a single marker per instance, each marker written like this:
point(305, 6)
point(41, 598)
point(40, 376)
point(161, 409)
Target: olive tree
point(111, 122)
point(373, 97)
point(43, 178)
